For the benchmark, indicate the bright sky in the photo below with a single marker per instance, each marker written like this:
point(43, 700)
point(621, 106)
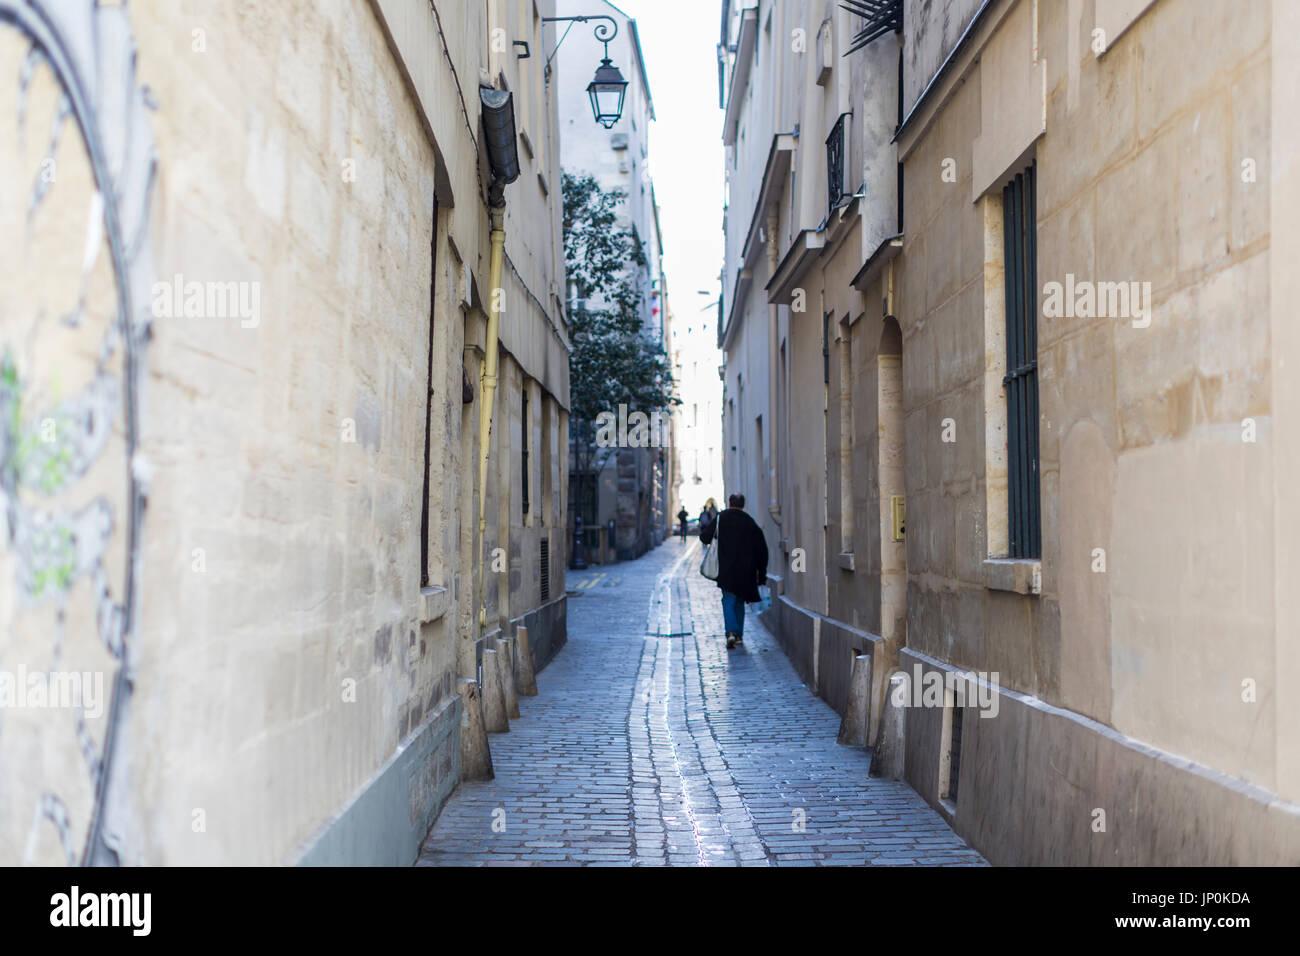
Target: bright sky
point(679, 41)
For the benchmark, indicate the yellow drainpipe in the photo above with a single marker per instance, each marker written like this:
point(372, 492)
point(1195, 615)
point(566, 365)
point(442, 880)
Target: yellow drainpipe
point(487, 394)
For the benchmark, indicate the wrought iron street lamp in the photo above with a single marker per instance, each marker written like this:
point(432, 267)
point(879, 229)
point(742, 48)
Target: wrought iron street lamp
point(606, 92)
point(608, 87)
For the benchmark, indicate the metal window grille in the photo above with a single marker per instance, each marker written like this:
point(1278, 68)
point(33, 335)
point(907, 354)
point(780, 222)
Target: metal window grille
point(523, 463)
point(428, 409)
point(826, 347)
point(900, 199)
point(1021, 380)
point(835, 164)
point(900, 96)
point(544, 568)
point(954, 753)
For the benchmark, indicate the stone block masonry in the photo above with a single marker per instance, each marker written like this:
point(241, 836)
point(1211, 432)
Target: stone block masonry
point(262, 490)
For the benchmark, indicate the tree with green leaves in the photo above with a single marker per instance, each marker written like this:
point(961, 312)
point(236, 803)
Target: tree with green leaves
point(613, 362)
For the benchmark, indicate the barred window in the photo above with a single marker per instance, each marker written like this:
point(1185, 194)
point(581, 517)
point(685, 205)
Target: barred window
point(835, 165)
point(523, 462)
point(425, 515)
point(1021, 379)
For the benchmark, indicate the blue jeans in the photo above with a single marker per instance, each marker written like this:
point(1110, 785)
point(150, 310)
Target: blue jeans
point(733, 613)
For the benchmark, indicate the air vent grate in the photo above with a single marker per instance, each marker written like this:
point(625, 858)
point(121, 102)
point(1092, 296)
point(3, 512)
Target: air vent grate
point(544, 567)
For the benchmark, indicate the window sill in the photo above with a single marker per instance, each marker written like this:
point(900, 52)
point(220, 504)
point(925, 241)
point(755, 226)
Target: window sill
point(434, 602)
point(846, 560)
point(1019, 575)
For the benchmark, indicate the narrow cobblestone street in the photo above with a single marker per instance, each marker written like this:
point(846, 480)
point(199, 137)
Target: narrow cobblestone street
point(651, 744)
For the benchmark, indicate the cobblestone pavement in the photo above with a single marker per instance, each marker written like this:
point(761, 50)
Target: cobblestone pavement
point(650, 744)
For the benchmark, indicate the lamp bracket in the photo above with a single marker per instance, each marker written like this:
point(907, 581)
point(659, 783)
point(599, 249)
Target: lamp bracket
point(604, 32)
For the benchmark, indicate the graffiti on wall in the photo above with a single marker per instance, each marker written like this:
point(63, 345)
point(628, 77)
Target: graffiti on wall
point(77, 165)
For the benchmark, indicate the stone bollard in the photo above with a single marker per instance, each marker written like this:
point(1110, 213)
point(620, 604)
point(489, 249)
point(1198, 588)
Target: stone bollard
point(525, 678)
point(506, 659)
point(887, 759)
point(475, 755)
point(853, 728)
point(494, 697)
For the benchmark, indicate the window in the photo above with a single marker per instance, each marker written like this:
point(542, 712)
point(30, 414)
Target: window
point(950, 749)
point(1020, 382)
point(428, 408)
point(900, 113)
point(900, 197)
point(846, 437)
point(826, 348)
point(835, 164)
point(547, 481)
point(526, 427)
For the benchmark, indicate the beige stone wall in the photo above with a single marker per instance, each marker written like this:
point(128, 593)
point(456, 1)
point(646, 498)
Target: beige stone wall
point(1140, 177)
point(941, 288)
point(1161, 199)
point(943, 292)
point(931, 31)
point(283, 648)
point(1153, 167)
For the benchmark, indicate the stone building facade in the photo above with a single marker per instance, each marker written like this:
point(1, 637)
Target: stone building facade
point(245, 307)
point(632, 485)
point(1005, 331)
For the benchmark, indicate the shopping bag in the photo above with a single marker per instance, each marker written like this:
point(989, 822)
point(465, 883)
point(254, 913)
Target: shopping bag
point(709, 566)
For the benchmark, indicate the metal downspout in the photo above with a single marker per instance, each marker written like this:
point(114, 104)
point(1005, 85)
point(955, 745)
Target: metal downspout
point(488, 401)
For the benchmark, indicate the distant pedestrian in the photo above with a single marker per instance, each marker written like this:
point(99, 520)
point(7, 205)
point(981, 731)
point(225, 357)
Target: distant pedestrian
point(682, 517)
point(708, 516)
point(742, 564)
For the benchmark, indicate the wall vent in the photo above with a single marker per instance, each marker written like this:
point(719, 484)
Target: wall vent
point(544, 568)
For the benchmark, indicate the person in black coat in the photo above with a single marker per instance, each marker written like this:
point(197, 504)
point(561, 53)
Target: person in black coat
point(742, 564)
point(708, 515)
